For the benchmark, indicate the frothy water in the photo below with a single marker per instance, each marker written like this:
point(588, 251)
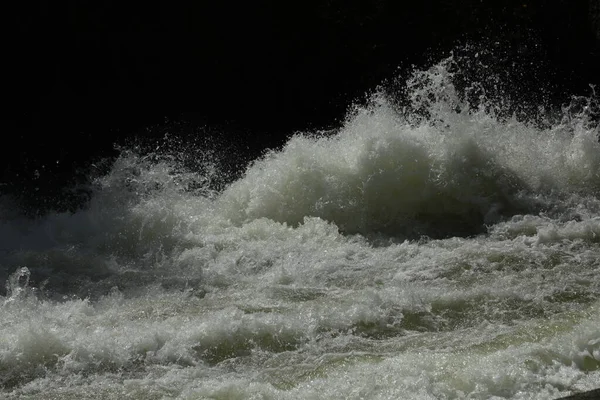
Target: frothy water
point(434, 251)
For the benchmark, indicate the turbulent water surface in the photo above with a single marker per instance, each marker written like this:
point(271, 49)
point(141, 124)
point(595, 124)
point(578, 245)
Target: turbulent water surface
point(439, 253)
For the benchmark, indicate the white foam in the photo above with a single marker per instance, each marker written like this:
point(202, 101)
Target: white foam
point(383, 173)
point(297, 281)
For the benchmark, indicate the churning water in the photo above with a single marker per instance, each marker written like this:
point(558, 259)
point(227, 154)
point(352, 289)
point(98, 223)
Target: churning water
point(438, 253)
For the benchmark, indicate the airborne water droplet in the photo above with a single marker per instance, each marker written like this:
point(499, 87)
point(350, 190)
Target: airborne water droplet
point(17, 282)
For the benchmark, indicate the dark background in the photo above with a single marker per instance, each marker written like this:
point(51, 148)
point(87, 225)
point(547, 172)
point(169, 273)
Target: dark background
point(83, 76)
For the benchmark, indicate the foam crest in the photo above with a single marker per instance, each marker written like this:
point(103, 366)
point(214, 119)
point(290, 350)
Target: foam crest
point(442, 170)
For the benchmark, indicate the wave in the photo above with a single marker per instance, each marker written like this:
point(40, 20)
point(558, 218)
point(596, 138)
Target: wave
point(439, 167)
point(442, 168)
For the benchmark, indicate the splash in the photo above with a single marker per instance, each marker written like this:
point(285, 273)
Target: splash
point(17, 284)
point(169, 285)
point(438, 168)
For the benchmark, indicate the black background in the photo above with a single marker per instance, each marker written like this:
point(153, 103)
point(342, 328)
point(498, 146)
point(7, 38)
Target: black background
point(85, 75)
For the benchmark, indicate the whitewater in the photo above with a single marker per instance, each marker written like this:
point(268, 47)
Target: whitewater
point(435, 250)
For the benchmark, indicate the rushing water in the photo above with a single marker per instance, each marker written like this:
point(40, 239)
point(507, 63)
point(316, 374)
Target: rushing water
point(437, 253)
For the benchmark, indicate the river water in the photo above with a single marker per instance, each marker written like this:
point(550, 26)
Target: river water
point(443, 252)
